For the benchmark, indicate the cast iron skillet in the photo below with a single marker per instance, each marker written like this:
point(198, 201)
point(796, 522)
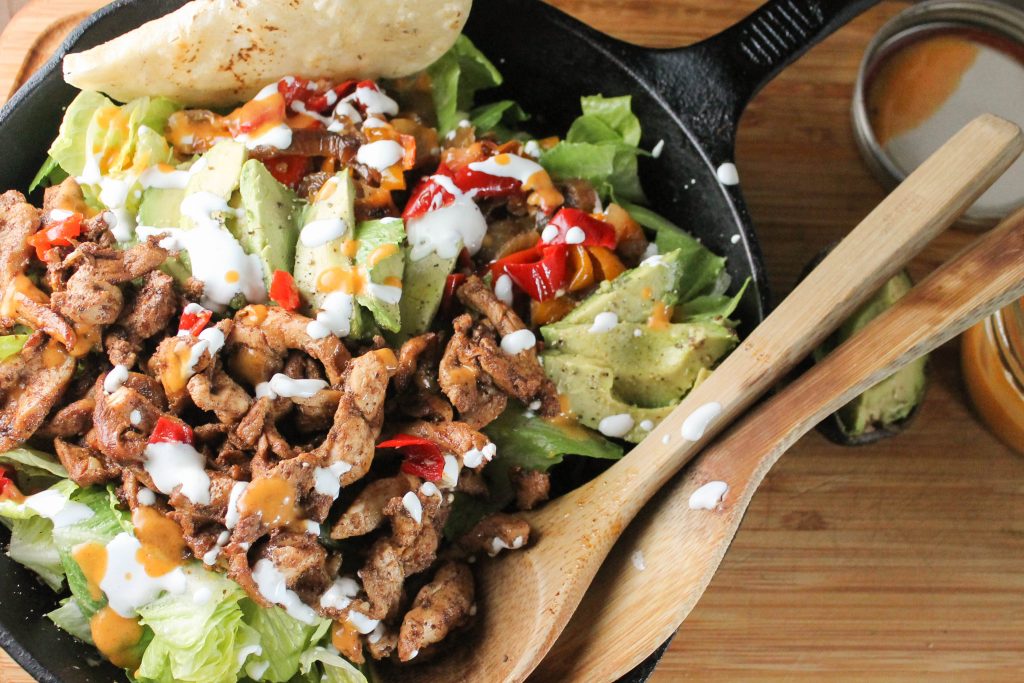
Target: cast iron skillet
point(691, 98)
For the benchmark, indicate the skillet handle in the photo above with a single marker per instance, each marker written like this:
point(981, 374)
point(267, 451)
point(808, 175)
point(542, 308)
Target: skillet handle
point(713, 80)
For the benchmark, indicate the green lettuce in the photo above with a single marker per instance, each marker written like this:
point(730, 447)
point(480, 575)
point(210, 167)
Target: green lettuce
point(283, 640)
point(601, 146)
point(124, 136)
point(11, 345)
point(205, 641)
point(327, 665)
point(69, 617)
point(372, 235)
point(711, 307)
point(455, 79)
point(32, 546)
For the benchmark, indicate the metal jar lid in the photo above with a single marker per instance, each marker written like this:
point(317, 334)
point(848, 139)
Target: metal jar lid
point(996, 19)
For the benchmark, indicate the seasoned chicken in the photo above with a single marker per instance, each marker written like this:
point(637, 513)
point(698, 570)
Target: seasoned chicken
point(31, 383)
point(440, 607)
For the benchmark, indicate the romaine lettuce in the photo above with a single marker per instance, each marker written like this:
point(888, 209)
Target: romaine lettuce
point(283, 640)
point(326, 665)
point(32, 546)
point(11, 345)
point(198, 635)
point(70, 618)
point(455, 79)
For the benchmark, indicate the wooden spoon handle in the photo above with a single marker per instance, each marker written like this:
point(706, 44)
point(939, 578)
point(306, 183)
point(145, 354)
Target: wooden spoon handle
point(918, 210)
point(983, 278)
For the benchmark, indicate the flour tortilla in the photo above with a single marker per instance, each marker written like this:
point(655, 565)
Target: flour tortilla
point(222, 52)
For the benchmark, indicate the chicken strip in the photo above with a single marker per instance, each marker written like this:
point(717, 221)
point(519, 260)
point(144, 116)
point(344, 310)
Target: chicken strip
point(442, 606)
point(31, 383)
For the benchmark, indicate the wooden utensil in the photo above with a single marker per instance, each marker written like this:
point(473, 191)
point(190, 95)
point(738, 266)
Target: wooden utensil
point(529, 596)
point(641, 610)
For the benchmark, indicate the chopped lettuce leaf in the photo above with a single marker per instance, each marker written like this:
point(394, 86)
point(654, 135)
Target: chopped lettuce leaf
point(601, 147)
point(373, 236)
point(194, 639)
point(11, 345)
point(327, 665)
point(712, 307)
point(70, 618)
point(32, 546)
point(456, 77)
point(33, 463)
point(536, 443)
point(498, 118)
point(283, 640)
point(98, 135)
point(50, 174)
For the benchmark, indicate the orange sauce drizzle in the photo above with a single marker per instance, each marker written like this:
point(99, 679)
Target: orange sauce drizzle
point(544, 194)
point(260, 115)
point(250, 365)
point(86, 339)
point(646, 292)
point(350, 248)
point(254, 315)
point(54, 355)
point(661, 316)
point(392, 281)
point(92, 558)
point(347, 280)
point(326, 191)
point(173, 377)
point(232, 276)
point(275, 500)
point(385, 251)
point(162, 544)
point(116, 637)
point(345, 639)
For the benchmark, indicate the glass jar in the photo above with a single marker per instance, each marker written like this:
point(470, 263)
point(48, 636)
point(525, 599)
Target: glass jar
point(992, 355)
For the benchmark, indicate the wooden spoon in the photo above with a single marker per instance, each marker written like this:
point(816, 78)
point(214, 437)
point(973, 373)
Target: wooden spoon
point(642, 609)
point(528, 596)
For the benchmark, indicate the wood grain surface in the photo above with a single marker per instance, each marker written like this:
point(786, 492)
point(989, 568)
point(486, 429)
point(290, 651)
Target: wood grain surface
point(896, 561)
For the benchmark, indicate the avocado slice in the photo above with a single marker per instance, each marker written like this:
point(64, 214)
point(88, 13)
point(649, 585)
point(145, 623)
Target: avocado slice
point(380, 253)
point(631, 296)
point(219, 175)
point(423, 291)
point(590, 389)
point(334, 202)
point(886, 408)
point(161, 208)
point(652, 367)
point(269, 228)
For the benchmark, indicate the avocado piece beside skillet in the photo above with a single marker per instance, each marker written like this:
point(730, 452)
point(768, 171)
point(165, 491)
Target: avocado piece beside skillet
point(887, 408)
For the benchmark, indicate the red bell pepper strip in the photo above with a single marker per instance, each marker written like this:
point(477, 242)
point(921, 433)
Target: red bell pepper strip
point(592, 232)
point(427, 196)
point(56, 234)
point(283, 290)
point(5, 482)
point(170, 430)
point(321, 102)
point(485, 184)
point(423, 458)
point(194, 321)
point(289, 169)
point(540, 271)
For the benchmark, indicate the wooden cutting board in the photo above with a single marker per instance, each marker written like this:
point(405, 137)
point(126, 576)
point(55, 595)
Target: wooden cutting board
point(902, 560)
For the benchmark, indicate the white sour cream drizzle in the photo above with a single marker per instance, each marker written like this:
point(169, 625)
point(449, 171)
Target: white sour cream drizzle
point(271, 584)
point(115, 378)
point(283, 385)
point(428, 488)
point(318, 233)
point(616, 426)
point(475, 457)
point(327, 480)
point(386, 293)
point(373, 101)
point(518, 341)
point(146, 496)
point(450, 475)
point(412, 505)
point(278, 137)
point(497, 545)
point(380, 155)
point(335, 317)
point(637, 558)
point(727, 174)
point(699, 420)
point(210, 340)
point(604, 322)
point(217, 258)
point(164, 180)
point(447, 229)
point(233, 515)
point(178, 464)
point(56, 507)
point(58, 215)
point(708, 496)
point(520, 168)
point(340, 594)
point(362, 623)
point(126, 582)
point(503, 289)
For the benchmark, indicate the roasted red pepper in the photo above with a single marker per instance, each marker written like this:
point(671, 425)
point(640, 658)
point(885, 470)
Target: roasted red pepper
point(170, 430)
point(193, 321)
point(321, 102)
point(427, 196)
point(423, 458)
point(289, 170)
point(485, 184)
point(576, 227)
point(283, 290)
point(5, 482)
point(56, 234)
point(294, 89)
point(540, 271)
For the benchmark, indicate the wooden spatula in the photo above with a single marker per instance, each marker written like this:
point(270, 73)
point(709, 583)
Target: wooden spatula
point(528, 597)
point(628, 614)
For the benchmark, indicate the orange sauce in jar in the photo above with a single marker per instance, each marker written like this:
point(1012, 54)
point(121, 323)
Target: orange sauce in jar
point(992, 358)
